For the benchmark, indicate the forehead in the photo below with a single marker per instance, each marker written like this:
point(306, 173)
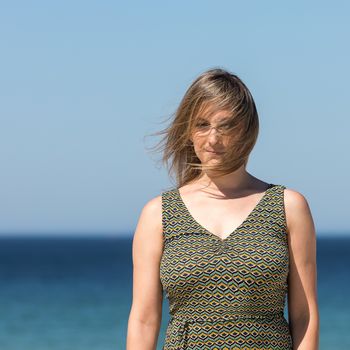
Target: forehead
point(213, 115)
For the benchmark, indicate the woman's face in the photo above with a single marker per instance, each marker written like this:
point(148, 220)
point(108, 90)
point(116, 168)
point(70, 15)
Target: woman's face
point(208, 141)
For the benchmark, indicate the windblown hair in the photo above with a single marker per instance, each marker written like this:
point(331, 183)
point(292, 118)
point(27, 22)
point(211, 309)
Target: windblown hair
point(214, 90)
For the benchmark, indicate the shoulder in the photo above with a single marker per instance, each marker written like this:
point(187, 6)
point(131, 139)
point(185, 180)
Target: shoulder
point(149, 226)
point(295, 201)
point(297, 209)
point(153, 205)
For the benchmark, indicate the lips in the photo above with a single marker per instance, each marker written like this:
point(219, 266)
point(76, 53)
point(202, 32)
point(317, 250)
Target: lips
point(215, 152)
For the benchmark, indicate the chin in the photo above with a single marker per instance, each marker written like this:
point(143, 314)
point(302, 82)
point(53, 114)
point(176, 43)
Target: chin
point(212, 160)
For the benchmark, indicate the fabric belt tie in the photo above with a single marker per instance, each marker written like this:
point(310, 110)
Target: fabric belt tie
point(183, 322)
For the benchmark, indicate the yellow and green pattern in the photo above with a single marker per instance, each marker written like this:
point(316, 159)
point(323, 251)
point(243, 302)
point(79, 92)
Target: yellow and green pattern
point(226, 293)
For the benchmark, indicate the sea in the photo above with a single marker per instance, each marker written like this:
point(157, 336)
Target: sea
point(75, 292)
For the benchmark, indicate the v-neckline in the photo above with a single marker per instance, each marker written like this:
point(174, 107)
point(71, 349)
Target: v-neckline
point(222, 240)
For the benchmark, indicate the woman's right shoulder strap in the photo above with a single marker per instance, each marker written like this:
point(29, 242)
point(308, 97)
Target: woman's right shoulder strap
point(170, 213)
point(167, 202)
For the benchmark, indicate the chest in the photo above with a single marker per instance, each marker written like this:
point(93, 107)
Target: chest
point(220, 216)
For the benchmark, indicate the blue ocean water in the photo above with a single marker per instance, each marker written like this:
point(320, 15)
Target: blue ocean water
point(75, 293)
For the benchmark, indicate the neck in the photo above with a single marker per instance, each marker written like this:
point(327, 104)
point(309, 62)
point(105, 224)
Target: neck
point(235, 181)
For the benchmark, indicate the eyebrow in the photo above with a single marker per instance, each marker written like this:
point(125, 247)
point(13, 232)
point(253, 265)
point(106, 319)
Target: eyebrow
point(225, 120)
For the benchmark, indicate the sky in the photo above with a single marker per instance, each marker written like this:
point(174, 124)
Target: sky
point(83, 83)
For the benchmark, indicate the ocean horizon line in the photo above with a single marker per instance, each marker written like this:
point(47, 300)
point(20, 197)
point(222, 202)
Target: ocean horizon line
point(122, 235)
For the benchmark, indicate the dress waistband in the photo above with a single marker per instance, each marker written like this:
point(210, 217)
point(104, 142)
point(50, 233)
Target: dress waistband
point(180, 323)
point(183, 318)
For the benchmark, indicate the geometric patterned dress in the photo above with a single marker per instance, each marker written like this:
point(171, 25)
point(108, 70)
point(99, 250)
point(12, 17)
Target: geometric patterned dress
point(226, 293)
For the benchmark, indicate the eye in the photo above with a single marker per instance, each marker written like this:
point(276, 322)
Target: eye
point(201, 124)
point(224, 127)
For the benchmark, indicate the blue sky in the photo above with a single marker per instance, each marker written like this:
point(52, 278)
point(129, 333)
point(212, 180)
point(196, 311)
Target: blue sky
point(83, 82)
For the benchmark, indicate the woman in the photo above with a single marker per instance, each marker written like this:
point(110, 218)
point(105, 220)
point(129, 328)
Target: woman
point(225, 246)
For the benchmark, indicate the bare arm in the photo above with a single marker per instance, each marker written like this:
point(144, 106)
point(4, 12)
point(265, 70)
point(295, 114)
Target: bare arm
point(146, 310)
point(302, 294)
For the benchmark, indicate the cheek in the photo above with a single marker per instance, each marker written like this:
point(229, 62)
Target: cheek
point(198, 146)
point(198, 151)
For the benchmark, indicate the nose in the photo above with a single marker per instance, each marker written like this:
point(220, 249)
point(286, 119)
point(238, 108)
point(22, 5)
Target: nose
point(213, 136)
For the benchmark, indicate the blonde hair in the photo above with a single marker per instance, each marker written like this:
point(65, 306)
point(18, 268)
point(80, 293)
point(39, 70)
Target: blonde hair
point(214, 90)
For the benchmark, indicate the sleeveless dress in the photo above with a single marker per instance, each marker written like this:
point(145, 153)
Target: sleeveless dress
point(226, 293)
